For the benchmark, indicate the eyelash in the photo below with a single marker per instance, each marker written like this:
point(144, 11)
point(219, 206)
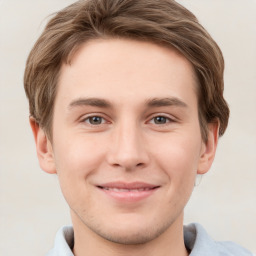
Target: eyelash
point(166, 119)
point(88, 118)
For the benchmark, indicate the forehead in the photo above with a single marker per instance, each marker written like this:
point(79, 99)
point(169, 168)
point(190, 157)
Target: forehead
point(116, 67)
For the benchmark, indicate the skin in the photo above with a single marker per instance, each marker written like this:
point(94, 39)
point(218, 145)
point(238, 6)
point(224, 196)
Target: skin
point(145, 129)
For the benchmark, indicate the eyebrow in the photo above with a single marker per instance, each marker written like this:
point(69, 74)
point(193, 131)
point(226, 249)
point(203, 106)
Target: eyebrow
point(163, 102)
point(102, 103)
point(95, 102)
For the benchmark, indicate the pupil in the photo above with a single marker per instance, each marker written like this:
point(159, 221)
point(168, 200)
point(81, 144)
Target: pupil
point(95, 120)
point(160, 120)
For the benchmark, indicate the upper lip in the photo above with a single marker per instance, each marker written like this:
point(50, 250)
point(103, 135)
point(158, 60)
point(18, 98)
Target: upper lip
point(128, 185)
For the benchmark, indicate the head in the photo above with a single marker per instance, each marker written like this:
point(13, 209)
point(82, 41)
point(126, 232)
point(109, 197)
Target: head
point(126, 103)
point(162, 22)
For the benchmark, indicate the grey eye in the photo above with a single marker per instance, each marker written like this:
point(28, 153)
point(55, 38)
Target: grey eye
point(95, 120)
point(160, 120)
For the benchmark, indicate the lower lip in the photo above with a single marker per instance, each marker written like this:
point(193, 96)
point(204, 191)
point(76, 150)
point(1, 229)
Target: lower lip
point(129, 196)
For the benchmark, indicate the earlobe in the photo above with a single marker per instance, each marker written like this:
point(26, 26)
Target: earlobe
point(209, 148)
point(43, 148)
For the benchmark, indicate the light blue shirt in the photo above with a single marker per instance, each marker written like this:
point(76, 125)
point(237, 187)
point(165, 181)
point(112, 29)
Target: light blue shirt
point(196, 240)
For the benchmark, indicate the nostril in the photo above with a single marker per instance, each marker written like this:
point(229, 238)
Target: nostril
point(127, 159)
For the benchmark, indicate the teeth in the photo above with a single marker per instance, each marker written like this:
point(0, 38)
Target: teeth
point(126, 189)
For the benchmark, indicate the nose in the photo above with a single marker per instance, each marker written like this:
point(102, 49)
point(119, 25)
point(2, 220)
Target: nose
point(128, 149)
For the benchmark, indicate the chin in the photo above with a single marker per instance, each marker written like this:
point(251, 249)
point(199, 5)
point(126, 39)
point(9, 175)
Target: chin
point(130, 237)
point(133, 233)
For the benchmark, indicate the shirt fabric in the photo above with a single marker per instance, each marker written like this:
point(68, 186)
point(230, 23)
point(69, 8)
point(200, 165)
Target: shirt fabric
point(196, 240)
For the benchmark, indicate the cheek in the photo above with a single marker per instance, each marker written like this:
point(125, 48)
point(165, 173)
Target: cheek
point(76, 160)
point(77, 157)
point(179, 154)
point(178, 157)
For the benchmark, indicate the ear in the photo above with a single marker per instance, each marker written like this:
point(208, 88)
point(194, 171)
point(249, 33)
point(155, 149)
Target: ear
point(43, 148)
point(208, 149)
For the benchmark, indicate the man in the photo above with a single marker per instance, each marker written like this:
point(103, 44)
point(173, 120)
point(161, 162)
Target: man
point(126, 103)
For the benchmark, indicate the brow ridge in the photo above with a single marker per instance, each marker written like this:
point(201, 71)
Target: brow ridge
point(102, 103)
point(162, 102)
point(95, 102)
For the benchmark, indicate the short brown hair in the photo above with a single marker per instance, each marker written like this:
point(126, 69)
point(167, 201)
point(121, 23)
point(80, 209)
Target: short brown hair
point(159, 21)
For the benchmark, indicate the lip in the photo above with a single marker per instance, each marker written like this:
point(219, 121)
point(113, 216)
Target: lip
point(128, 192)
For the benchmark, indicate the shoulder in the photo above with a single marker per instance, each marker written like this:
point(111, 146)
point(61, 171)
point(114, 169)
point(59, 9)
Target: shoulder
point(230, 248)
point(63, 244)
point(200, 243)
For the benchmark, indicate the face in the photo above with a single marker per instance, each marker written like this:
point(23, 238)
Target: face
point(126, 141)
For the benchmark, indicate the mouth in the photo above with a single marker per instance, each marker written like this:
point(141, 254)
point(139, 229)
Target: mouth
point(128, 192)
point(124, 186)
point(126, 189)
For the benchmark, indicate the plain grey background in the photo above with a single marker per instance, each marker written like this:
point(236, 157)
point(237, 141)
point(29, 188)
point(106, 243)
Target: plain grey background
point(31, 205)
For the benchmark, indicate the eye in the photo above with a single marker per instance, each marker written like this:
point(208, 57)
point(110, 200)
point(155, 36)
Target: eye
point(160, 120)
point(95, 120)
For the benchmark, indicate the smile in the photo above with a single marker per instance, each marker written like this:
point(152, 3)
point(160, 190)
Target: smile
point(128, 192)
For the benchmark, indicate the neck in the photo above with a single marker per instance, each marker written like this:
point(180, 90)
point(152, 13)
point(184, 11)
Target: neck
point(89, 243)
